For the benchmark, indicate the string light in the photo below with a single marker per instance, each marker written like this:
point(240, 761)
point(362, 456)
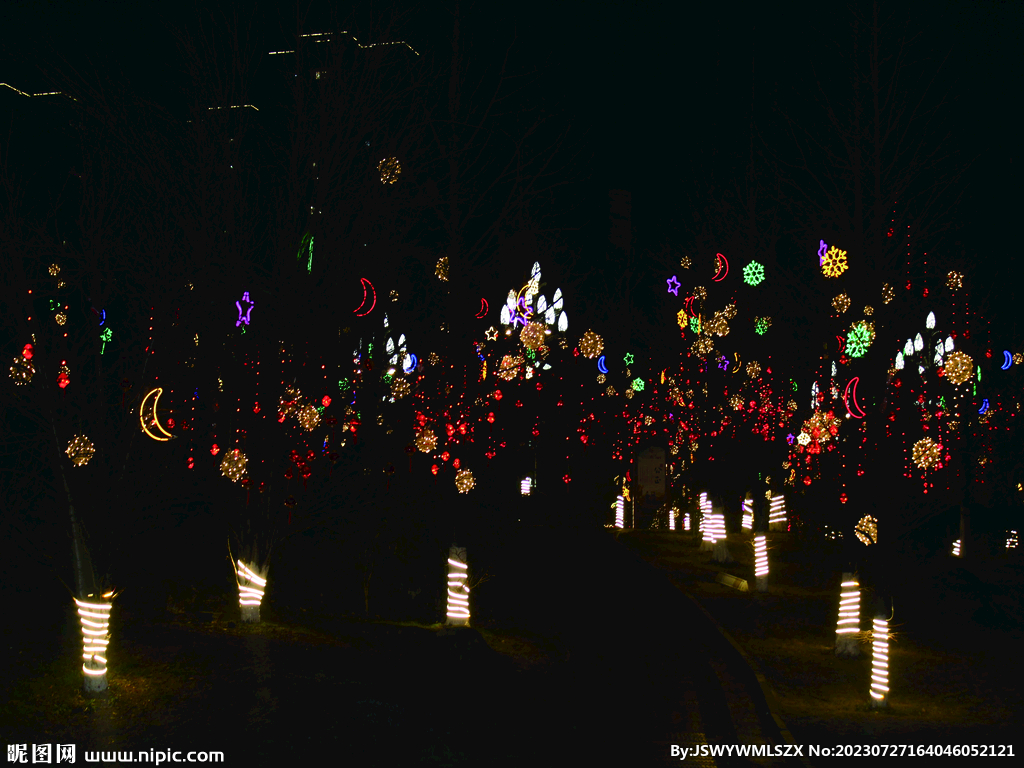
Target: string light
point(867, 530)
point(524, 486)
point(879, 662)
point(761, 562)
point(848, 622)
point(777, 513)
point(748, 514)
point(232, 466)
point(956, 548)
point(389, 169)
point(251, 587)
point(620, 512)
point(94, 618)
point(464, 481)
point(458, 589)
point(591, 344)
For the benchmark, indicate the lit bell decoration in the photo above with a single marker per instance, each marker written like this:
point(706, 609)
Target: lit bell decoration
point(232, 466)
point(80, 450)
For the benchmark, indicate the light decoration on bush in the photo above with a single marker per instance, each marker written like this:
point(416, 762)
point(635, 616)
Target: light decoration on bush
point(80, 450)
point(458, 589)
point(620, 511)
point(441, 269)
point(926, 453)
point(777, 513)
point(867, 530)
point(389, 169)
point(251, 586)
point(525, 485)
point(591, 345)
point(753, 273)
point(761, 562)
point(954, 280)
point(308, 416)
point(232, 466)
point(748, 514)
point(833, 263)
point(879, 661)
point(848, 622)
point(841, 303)
point(956, 548)
point(959, 367)
point(94, 618)
point(464, 481)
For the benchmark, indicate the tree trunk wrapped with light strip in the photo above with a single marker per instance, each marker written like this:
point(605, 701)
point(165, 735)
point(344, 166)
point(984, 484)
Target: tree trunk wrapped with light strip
point(879, 662)
point(707, 542)
point(251, 586)
point(458, 588)
point(848, 623)
point(777, 514)
point(761, 562)
point(748, 514)
point(94, 618)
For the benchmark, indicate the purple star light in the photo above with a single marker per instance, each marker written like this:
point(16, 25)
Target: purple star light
point(673, 285)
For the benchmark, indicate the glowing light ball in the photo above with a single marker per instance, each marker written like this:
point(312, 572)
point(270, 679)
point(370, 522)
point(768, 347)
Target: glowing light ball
point(753, 273)
point(736, 402)
point(867, 530)
point(703, 346)
point(761, 562)
point(251, 586)
point(888, 294)
point(859, 338)
point(464, 481)
point(509, 367)
point(441, 269)
point(600, 378)
point(848, 622)
point(753, 369)
point(628, 394)
point(400, 388)
point(390, 169)
point(1018, 358)
point(22, 370)
point(833, 263)
point(926, 453)
point(879, 662)
point(61, 318)
point(80, 450)
point(532, 336)
point(309, 417)
point(959, 367)
point(232, 466)
point(94, 618)
point(426, 440)
point(591, 345)
point(841, 303)
point(717, 325)
point(458, 589)
point(610, 391)
point(954, 280)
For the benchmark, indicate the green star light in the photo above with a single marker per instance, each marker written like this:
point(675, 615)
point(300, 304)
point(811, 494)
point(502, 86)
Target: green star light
point(628, 359)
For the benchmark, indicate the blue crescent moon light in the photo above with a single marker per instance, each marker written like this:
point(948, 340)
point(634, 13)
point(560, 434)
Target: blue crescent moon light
point(601, 366)
point(1007, 359)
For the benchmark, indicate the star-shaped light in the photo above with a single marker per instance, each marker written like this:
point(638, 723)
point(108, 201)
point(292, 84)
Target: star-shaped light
point(723, 363)
point(491, 334)
point(673, 285)
point(243, 315)
point(628, 359)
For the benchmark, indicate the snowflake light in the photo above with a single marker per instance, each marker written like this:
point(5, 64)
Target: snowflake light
point(833, 264)
point(681, 319)
point(232, 466)
point(591, 344)
point(841, 303)
point(959, 367)
point(80, 450)
point(464, 481)
point(753, 273)
point(638, 384)
point(926, 453)
point(859, 338)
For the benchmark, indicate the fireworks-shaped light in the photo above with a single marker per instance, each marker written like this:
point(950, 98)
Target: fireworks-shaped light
point(426, 440)
point(309, 417)
point(841, 303)
point(753, 369)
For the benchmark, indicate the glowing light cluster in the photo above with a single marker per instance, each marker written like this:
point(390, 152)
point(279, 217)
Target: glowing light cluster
point(888, 294)
point(753, 369)
point(753, 273)
point(426, 440)
point(464, 480)
point(458, 589)
point(308, 416)
point(880, 660)
point(389, 169)
point(591, 345)
point(954, 280)
point(926, 453)
point(441, 269)
point(748, 514)
point(849, 609)
point(232, 466)
point(80, 450)
point(760, 556)
point(23, 369)
point(833, 263)
point(959, 367)
point(841, 303)
point(867, 530)
point(94, 617)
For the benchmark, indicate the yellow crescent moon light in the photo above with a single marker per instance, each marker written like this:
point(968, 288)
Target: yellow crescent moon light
point(153, 420)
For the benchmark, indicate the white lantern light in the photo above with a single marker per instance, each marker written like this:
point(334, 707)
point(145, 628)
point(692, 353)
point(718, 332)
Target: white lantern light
point(879, 662)
point(250, 592)
point(908, 348)
point(94, 617)
point(458, 589)
point(549, 316)
point(918, 343)
point(949, 343)
point(848, 623)
point(506, 315)
point(563, 323)
point(761, 562)
point(899, 361)
point(557, 300)
point(929, 322)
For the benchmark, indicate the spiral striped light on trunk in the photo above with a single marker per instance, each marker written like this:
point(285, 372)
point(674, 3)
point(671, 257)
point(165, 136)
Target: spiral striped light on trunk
point(458, 589)
point(94, 618)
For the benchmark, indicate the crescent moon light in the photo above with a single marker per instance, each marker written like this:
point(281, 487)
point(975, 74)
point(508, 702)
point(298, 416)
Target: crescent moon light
point(1007, 360)
point(852, 384)
point(601, 366)
point(483, 308)
point(721, 261)
point(736, 356)
point(373, 300)
point(153, 420)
